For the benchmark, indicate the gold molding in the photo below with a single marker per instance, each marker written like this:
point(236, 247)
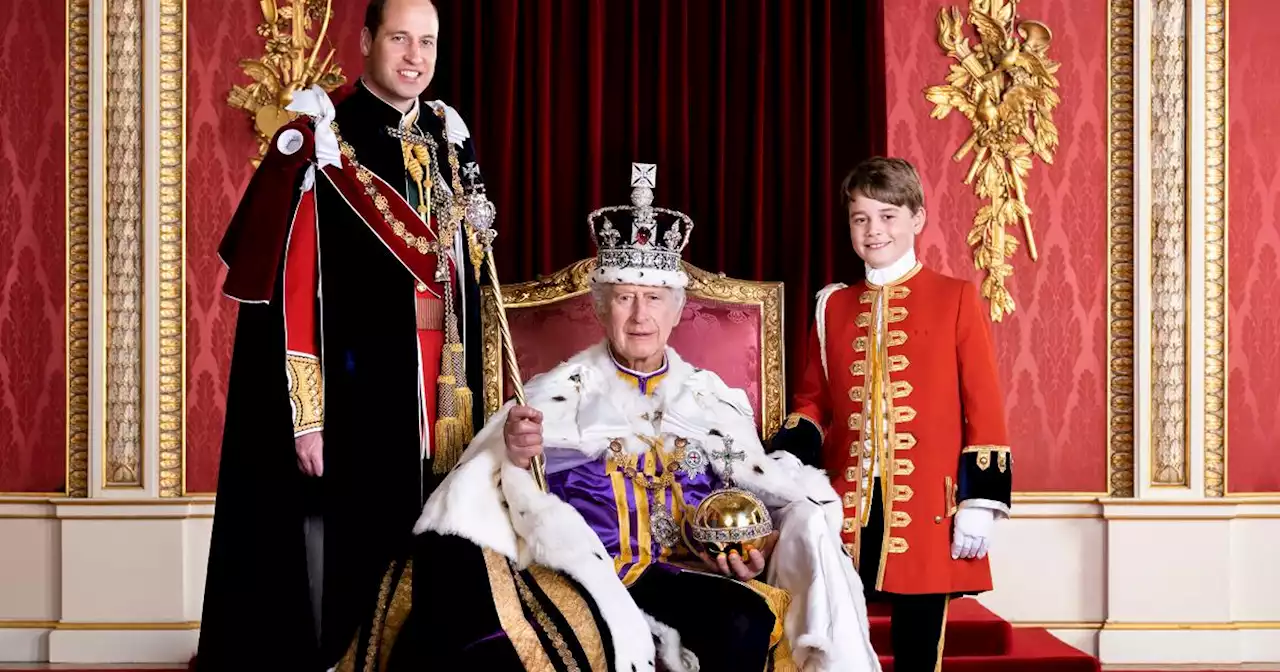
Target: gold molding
point(77, 250)
point(1120, 288)
point(1215, 250)
point(123, 233)
point(573, 280)
point(172, 248)
point(1169, 252)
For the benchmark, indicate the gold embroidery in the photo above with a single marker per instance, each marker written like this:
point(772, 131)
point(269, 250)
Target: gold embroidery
point(792, 422)
point(896, 314)
point(855, 394)
point(858, 368)
point(949, 496)
point(864, 320)
point(778, 601)
point(898, 363)
point(860, 344)
point(401, 605)
point(306, 397)
point(984, 453)
point(850, 499)
point(851, 474)
point(906, 441)
point(511, 616)
point(866, 297)
point(855, 421)
point(902, 389)
point(900, 519)
point(899, 292)
point(848, 548)
point(576, 613)
point(904, 414)
point(903, 467)
point(850, 524)
point(898, 545)
point(853, 449)
point(897, 338)
point(379, 617)
point(902, 493)
point(544, 621)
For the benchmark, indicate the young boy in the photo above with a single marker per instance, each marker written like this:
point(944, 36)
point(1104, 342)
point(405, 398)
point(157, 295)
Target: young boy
point(901, 405)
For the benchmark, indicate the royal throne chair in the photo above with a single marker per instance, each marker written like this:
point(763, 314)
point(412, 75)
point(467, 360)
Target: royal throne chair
point(732, 327)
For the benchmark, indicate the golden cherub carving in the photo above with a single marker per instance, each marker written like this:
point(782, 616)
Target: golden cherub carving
point(1005, 86)
point(288, 65)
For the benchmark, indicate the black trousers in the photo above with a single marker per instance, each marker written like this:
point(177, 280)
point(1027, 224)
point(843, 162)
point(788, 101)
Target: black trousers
point(918, 622)
point(724, 623)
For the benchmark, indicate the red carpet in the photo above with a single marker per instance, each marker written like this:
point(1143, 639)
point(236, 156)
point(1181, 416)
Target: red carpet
point(979, 641)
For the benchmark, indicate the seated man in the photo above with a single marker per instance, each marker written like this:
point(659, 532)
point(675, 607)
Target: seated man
point(590, 574)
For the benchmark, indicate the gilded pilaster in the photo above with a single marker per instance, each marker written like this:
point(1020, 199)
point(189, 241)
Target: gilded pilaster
point(1120, 248)
point(77, 225)
point(124, 248)
point(1215, 252)
point(1169, 246)
point(172, 253)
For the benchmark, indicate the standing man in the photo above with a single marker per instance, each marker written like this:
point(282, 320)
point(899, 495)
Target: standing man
point(354, 257)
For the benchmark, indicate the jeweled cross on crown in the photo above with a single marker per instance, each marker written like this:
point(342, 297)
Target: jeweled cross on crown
point(644, 175)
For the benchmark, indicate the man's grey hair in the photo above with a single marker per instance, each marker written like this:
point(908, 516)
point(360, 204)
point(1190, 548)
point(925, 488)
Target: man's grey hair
point(600, 296)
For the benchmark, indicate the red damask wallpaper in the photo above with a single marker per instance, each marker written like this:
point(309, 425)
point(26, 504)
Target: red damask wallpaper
point(32, 247)
point(1052, 351)
point(220, 143)
point(1253, 241)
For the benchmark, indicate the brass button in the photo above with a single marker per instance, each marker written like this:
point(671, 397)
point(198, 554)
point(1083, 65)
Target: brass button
point(937, 519)
point(422, 286)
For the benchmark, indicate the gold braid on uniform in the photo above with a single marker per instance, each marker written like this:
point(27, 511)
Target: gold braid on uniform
point(454, 425)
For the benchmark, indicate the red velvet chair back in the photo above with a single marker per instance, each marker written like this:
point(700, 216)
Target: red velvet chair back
point(732, 327)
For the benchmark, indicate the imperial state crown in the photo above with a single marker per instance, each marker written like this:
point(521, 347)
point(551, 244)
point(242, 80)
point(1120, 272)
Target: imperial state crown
point(645, 247)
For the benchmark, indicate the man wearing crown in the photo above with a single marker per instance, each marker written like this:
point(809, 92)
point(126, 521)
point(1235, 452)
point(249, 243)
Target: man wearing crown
point(353, 256)
point(607, 569)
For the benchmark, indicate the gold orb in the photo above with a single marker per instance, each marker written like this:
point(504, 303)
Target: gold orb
point(731, 520)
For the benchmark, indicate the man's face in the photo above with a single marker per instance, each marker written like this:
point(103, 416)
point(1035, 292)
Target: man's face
point(400, 60)
point(882, 232)
point(638, 320)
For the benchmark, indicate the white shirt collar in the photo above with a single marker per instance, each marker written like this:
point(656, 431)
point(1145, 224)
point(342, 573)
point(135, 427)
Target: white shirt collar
point(893, 272)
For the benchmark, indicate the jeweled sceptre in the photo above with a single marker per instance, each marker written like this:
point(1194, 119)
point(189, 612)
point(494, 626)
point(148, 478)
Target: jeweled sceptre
point(479, 213)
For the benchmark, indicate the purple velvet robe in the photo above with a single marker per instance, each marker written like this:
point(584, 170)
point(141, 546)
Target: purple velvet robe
point(617, 508)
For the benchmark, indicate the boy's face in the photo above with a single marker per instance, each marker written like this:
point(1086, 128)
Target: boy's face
point(882, 232)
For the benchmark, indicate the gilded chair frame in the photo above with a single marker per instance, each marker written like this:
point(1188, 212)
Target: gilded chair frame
point(573, 281)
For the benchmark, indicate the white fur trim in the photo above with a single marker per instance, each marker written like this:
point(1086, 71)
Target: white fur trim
point(820, 313)
point(674, 657)
point(493, 503)
point(639, 276)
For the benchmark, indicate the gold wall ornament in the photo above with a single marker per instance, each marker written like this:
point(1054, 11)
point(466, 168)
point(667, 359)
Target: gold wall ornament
point(287, 65)
point(1005, 86)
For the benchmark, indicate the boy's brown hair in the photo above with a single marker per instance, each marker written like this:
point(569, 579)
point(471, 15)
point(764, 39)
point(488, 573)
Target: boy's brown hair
point(886, 179)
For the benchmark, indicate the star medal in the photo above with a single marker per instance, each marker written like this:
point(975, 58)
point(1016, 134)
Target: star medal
point(663, 526)
point(694, 461)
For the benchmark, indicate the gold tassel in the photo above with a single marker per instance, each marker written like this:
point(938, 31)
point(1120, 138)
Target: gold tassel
point(449, 443)
point(462, 396)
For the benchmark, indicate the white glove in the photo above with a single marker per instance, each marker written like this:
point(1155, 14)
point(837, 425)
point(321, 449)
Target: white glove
point(972, 534)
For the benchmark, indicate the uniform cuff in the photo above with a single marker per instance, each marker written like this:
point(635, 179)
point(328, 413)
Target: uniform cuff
point(801, 437)
point(986, 474)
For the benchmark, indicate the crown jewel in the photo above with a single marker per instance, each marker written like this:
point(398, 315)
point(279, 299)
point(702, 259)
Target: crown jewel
point(645, 247)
